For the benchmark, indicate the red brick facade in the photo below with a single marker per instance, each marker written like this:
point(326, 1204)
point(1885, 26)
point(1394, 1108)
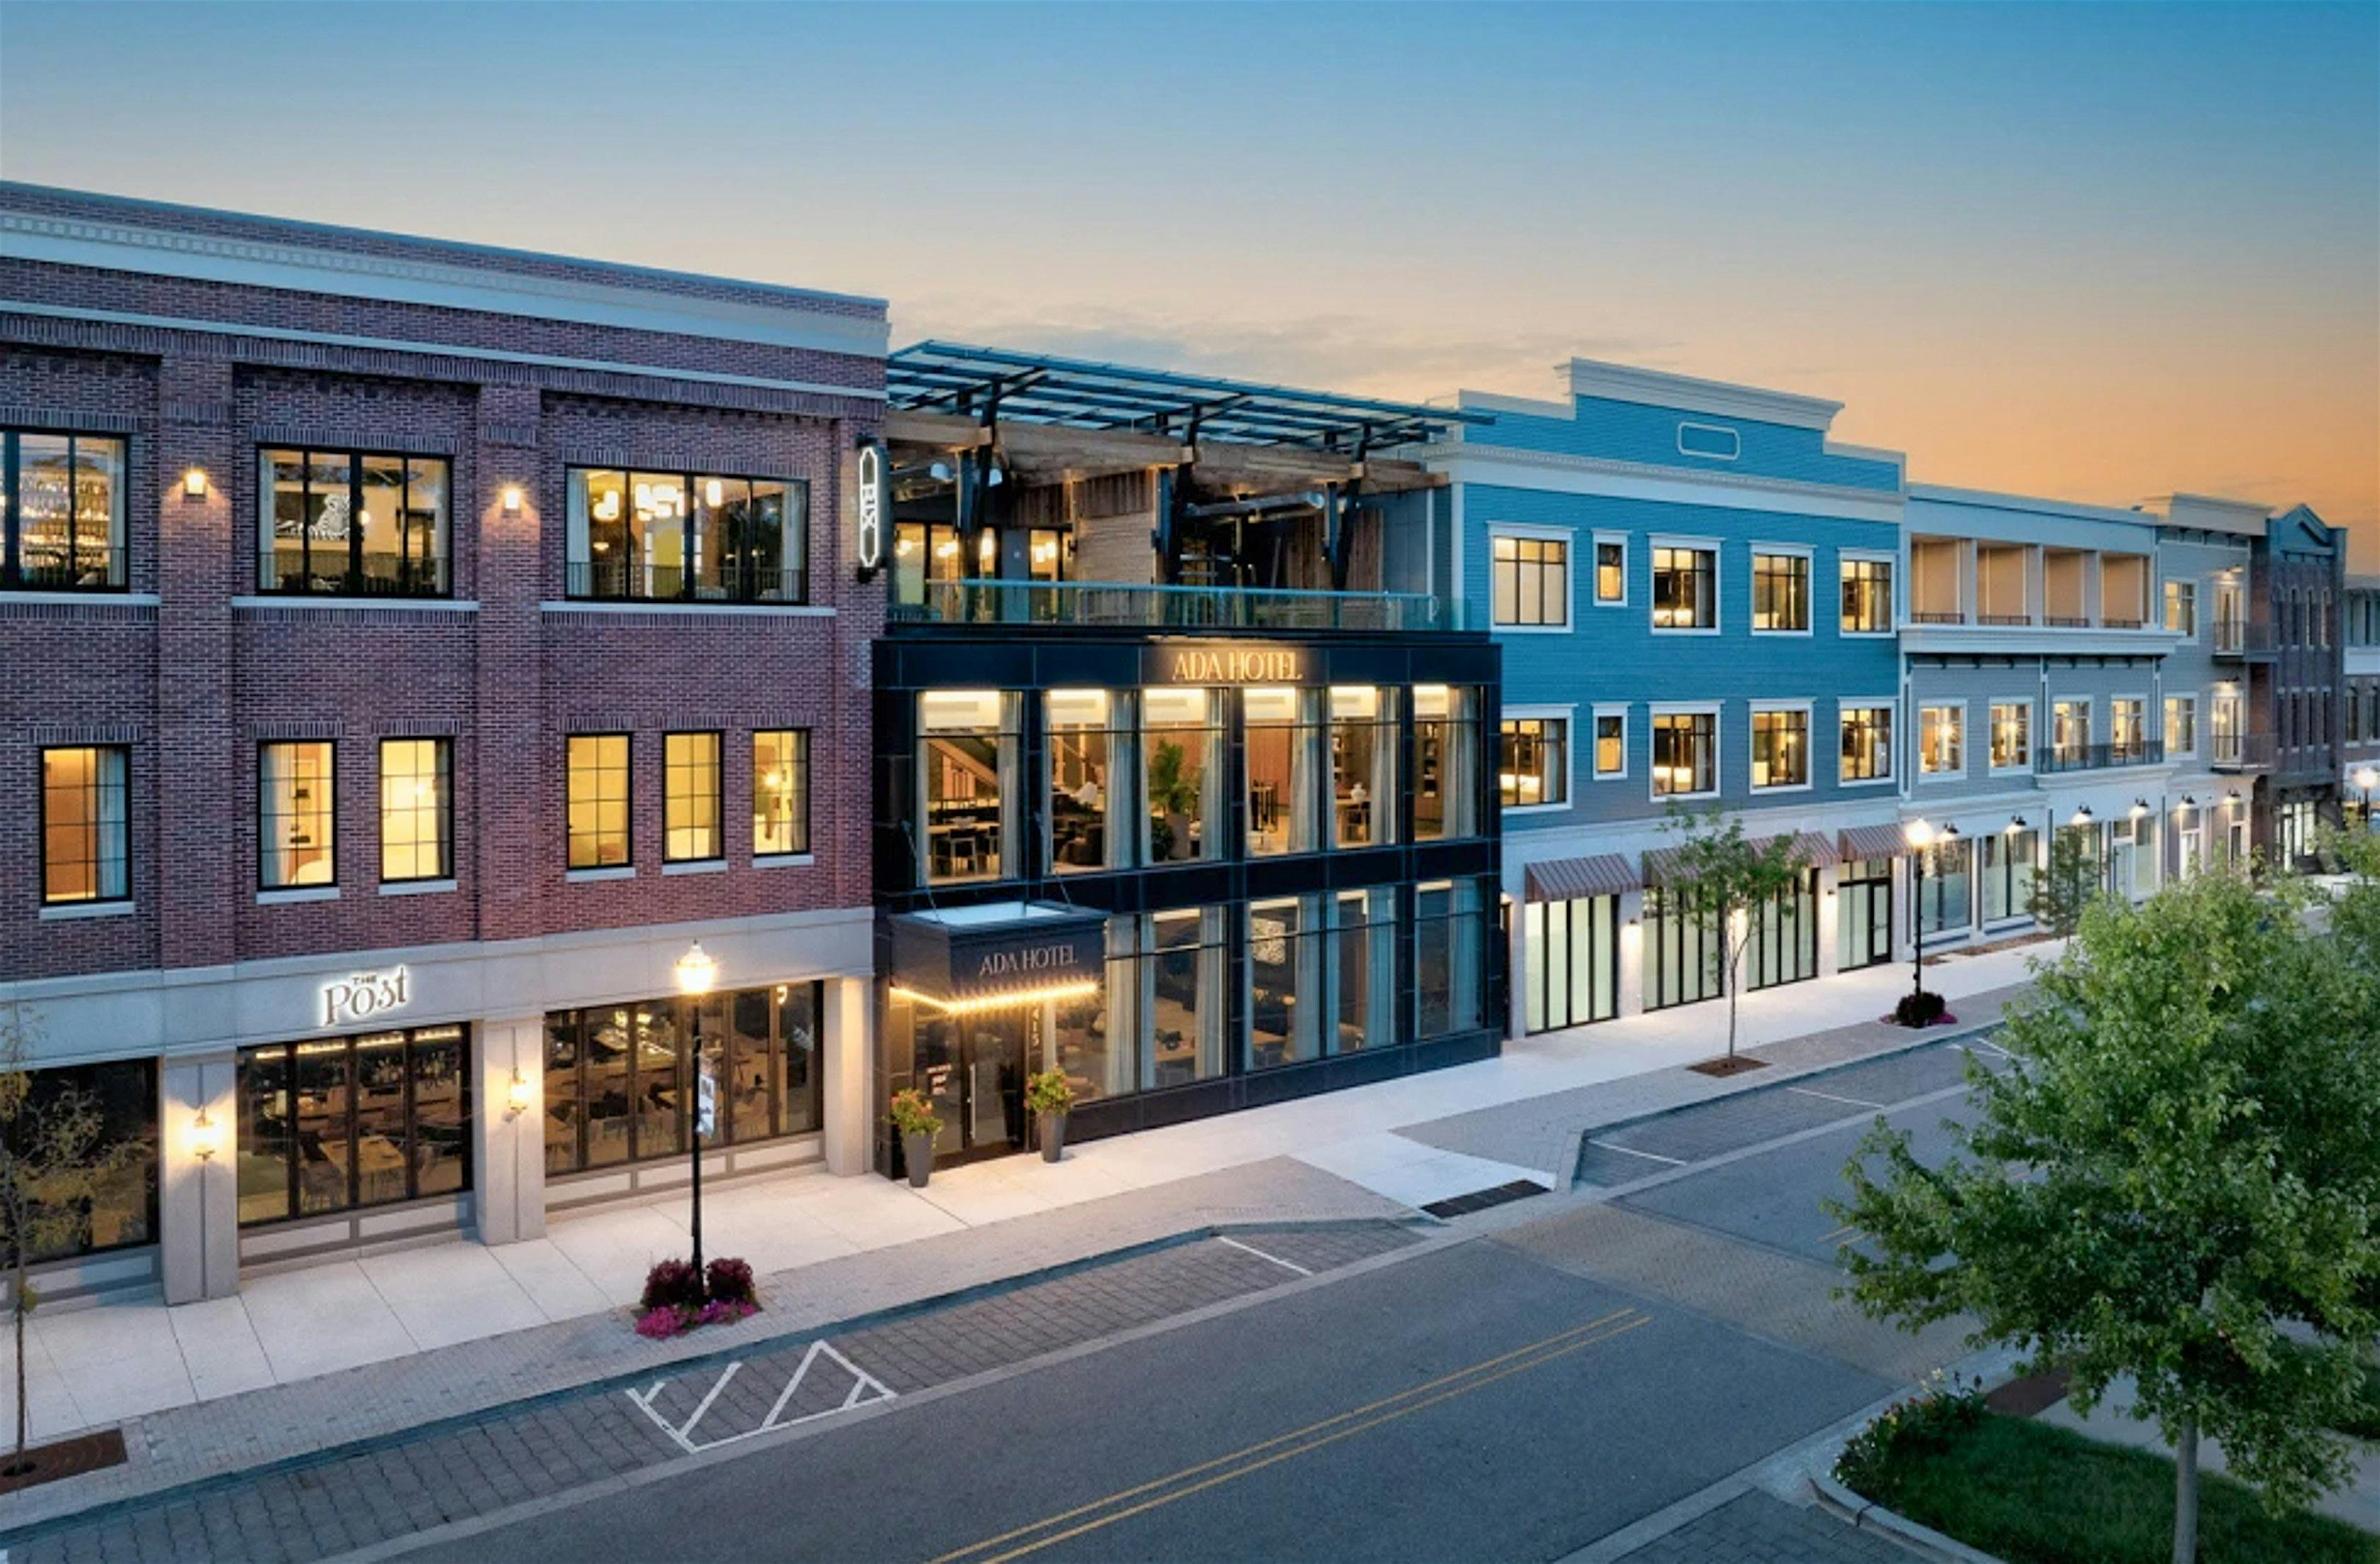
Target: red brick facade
point(193, 671)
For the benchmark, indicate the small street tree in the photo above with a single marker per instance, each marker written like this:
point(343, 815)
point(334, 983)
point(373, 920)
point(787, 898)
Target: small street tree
point(2178, 1164)
point(53, 1163)
point(1722, 877)
point(2066, 884)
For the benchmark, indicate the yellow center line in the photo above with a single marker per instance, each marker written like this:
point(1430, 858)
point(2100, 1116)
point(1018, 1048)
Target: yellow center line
point(1532, 1356)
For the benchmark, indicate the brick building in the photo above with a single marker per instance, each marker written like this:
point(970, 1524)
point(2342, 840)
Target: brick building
point(415, 649)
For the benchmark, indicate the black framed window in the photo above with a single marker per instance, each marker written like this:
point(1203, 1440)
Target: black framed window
point(688, 537)
point(691, 827)
point(1685, 587)
point(417, 810)
point(342, 1123)
point(1867, 597)
point(616, 1076)
point(1611, 571)
point(296, 815)
point(62, 507)
point(1781, 592)
point(1780, 747)
point(1866, 747)
point(85, 842)
point(355, 523)
point(1571, 954)
point(1682, 962)
point(1782, 938)
point(1533, 762)
point(596, 783)
point(1449, 958)
point(1685, 753)
point(781, 792)
point(122, 1210)
point(1530, 579)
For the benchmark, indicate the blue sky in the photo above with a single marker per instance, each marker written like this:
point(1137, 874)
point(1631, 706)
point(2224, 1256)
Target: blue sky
point(2094, 250)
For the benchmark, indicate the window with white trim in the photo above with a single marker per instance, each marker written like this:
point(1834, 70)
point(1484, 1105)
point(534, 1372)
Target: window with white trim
point(1530, 577)
point(1941, 740)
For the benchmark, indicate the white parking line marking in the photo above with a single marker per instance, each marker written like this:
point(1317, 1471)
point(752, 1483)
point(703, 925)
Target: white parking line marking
point(1286, 1265)
point(1648, 1155)
point(1830, 1097)
point(865, 1388)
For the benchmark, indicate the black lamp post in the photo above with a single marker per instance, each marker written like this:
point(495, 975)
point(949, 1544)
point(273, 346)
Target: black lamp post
point(696, 973)
point(2367, 779)
point(1920, 836)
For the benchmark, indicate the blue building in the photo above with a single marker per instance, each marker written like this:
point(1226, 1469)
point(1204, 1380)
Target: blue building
point(1698, 594)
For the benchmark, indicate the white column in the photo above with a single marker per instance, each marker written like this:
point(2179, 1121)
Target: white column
point(508, 1129)
point(198, 1198)
point(1904, 908)
point(848, 1088)
point(1968, 585)
point(1516, 989)
point(1631, 952)
point(1830, 922)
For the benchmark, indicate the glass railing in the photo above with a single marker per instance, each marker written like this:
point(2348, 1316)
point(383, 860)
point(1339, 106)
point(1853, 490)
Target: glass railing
point(2236, 635)
point(2240, 752)
point(1113, 604)
point(2097, 757)
point(381, 575)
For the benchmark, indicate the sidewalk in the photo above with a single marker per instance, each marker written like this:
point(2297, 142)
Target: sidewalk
point(348, 1349)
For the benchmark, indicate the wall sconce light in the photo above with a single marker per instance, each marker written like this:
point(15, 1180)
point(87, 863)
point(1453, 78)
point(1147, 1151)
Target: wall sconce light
point(194, 483)
point(2140, 807)
point(2188, 801)
point(512, 499)
point(2233, 798)
point(2082, 816)
point(206, 1137)
point(517, 1097)
point(2016, 824)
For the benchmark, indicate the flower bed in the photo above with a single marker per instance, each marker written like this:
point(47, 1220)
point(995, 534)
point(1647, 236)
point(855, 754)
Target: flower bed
point(677, 1298)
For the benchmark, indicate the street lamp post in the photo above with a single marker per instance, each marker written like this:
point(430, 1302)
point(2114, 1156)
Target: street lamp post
point(1921, 837)
point(2367, 779)
point(696, 973)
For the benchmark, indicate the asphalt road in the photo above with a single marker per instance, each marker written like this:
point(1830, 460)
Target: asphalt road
point(1476, 1403)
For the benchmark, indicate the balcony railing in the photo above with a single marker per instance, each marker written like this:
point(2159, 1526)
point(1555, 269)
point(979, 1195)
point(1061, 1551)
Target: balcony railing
point(90, 570)
point(2234, 637)
point(2004, 619)
point(1936, 616)
point(606, 581)
point(1105, 604)
point(2240, 752)
point(2098, 756)
point(382, 576)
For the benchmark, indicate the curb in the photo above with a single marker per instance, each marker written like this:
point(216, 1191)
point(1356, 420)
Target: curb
point(1866, 1515)
point(200, 1482)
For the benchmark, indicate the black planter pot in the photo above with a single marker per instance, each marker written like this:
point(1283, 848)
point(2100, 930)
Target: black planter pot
point(917, 1152)
point(1054, 1136)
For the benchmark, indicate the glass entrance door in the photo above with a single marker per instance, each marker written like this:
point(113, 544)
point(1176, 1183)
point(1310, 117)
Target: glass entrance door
point(1864, 894)
point(972, 1068)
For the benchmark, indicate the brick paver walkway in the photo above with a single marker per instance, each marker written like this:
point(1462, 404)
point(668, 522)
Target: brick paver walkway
point(1756, 1528)
point(473, 1467)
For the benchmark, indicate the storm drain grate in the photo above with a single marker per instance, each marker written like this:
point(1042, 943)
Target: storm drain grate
point(1479, 1200)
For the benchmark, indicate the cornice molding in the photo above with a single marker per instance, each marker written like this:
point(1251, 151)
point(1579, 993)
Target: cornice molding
point(123, 247)
point(1452, 455)
point(1627, 382)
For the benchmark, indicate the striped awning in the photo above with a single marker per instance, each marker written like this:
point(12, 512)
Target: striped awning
point(1874, 841)
point(1570, 879)
point(1664, 866)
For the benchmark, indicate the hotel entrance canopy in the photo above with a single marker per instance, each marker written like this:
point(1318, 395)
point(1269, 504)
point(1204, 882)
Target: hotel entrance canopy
point(997, 954)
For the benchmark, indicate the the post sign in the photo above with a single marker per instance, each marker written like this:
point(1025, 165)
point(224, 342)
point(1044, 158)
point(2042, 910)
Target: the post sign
point(869, 544)
point(1222, 663)
point(706, 1097)
point(360, 996)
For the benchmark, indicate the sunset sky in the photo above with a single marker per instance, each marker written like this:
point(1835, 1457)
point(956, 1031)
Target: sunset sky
point(2100, 252)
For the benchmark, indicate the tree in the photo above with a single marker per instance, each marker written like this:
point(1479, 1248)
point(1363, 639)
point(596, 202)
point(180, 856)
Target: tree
point(2067, 884)
point(2178, 1164)
point(1722, 877)
point(53, 1163)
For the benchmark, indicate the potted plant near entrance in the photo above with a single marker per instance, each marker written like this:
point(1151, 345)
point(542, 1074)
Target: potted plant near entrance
point(914, 1122)
point(1049, 1094)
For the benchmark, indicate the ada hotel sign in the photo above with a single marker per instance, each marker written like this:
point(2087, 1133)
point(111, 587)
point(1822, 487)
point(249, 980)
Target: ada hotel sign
point(360, 996)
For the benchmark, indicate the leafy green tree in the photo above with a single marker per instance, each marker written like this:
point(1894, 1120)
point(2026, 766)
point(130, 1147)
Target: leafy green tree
point(1722, 877)
point(2067, 883)
point(2179, 1164)
point(53, 1163)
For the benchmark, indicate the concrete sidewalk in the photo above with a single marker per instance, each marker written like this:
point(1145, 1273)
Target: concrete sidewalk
point(457, 1325)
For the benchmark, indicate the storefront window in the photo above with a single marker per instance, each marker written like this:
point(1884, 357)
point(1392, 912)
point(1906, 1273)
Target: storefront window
point(688, 537)
point(2008, 874)
point(967, 756)
point(1285, 994)
point(295, 816)
point(1181, 740)
point(1182, 996)
point(1863, 913)
point(1280, 726)
point(1092, 1038)
point(1681, 954)
point(1570, 952)
point(1363, 970)
point(123, 1206)
point(1362, 765)
point(340, 1123)
point(1446, 760)
point(1447, 957)
point(615, 1075)
point(1783, 938)
point(352, 523)
point(1943, 906)
point(68, 507)
point(1083, 733)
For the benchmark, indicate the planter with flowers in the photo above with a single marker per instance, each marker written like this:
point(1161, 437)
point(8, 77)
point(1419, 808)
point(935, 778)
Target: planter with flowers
point(914, 1120)
point(677, 1298)
point(1049, 1094)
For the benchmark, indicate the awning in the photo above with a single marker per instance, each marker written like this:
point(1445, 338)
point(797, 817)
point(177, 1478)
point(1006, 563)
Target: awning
point(1874, 841)
point(1002, 952)
point(1571, 880)
point(1665, 866)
